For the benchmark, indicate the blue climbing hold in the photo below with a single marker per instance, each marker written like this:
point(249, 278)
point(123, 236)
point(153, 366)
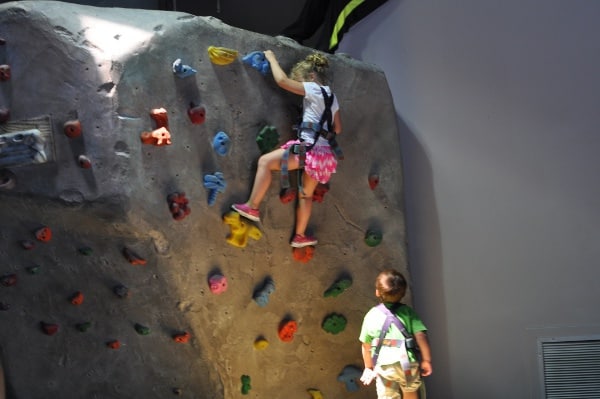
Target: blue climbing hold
point(261, 297)
point(257, 60)
point(215, 184)
point(221, 143)
point(181, 70)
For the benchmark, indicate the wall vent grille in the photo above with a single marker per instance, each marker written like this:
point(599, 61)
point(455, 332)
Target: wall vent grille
point(571, 368)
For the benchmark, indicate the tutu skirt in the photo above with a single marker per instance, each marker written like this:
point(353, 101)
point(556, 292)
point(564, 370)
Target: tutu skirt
point(320, 161)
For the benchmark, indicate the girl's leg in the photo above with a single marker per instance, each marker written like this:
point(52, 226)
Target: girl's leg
point(266, 164)
point(304, 208)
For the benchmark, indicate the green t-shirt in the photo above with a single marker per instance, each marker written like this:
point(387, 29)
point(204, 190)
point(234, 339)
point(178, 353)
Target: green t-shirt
point(371, 329)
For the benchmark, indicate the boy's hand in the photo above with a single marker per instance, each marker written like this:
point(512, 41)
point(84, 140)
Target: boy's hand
point(426, 368)
point(368, 376)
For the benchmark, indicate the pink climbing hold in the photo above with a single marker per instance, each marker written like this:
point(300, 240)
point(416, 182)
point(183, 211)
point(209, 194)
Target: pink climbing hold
point(217, 284)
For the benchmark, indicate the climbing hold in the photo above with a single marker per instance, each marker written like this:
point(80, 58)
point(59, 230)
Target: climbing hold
point(160, 116)
point(4, 115)
point(83, 327)
point(240, 230)
point(334, 323)
point(246, 384)
point(132, 257)
point(221, 143)
point(178, 205)
point(315, 393)
point(257, 60)
point(221, 55)
point(287, 329)
point(373, 181)
point(196, 113)
point(49, 328)
point(4, 72)
point(76, 298)
point(72, 128)
point(373, 238)
point(8, 180)
point(142, 330)
point(261, 343)
point(215, 184)
point(87, 251)
point(84, 162)
point(35, 269)
point(182, 338)
point(350, 376)
point(182, 70)
point(115, 344)
point(320, 191)
point(158, 137)
point(261, 297)
point(267, 139)
point(9, 280)
point(288, 194)
point(304, 254)
point(121, 291)
point(338, 287)
point(43, 234)
point(27, 244)
point(178, 391)
point(217, 284)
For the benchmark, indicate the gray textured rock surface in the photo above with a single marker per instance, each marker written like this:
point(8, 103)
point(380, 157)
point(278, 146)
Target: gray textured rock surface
point(109, 68)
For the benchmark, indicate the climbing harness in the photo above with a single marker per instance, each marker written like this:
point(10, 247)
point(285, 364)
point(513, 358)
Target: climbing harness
point(302, 148)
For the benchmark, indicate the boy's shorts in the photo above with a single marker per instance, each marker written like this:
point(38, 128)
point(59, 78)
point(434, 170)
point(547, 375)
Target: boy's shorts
point(391, 380)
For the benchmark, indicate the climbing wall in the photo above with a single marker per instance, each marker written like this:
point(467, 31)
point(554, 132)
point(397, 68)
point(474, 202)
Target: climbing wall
point(125, 136)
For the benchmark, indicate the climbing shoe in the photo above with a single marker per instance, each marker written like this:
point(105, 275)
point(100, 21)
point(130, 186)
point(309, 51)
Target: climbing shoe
point(300, 241)
point(247, 212)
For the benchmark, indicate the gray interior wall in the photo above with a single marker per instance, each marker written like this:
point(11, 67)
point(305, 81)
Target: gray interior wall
point(498, 103)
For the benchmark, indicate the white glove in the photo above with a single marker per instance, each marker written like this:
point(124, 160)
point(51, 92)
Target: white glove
point(368, 376)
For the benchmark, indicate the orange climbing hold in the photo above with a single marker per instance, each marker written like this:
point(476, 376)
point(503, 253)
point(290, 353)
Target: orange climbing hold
point(114, 344)
point(133, 258)
point(182, 338)
point(287, 329)
point(304, 254)
point(44, 234)
point(160, 117)
point(76, 298)
point(158, 137)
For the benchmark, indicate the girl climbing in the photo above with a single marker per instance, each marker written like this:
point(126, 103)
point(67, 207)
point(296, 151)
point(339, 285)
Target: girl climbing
point(311, 152)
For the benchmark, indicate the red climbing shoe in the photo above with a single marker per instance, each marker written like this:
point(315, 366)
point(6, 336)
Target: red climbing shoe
point(303, 241)
point(247, 212)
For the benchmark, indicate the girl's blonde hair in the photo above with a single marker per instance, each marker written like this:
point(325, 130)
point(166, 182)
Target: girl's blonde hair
point(391, 286)
point(315, 63)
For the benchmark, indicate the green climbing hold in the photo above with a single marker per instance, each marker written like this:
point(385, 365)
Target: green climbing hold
point(87, 251)
point(246, 384)
point(35, 269)
point(142, 330)
point(338, 287)
point(83, 327)
point(334, 323)
point(267, 139)
point(373, 238)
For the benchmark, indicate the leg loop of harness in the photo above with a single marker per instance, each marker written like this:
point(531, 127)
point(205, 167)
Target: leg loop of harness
point(285, 178)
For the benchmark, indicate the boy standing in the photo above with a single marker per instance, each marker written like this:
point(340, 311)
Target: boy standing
point(390, 357)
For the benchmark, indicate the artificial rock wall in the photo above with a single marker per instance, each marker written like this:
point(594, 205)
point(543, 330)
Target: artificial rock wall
point(105, 286)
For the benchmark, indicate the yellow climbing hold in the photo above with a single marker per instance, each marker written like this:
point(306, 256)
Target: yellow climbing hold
point(240, 230)
point(261, 344)
point(222, 55)
point(315, 393)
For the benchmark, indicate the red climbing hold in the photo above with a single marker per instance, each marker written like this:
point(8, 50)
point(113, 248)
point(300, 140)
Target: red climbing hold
point(182, 338)
point(44, 234)
point(287, 329)
point(160, 117)
point(132, 257)
point(9, 280)
point(304, 254)
point(76, 298)
point(49, 328)
point(84, 162)
point(287, 195)
point(72, 128)
point(114, 344)
point(178, 205)
point(4, 72)
point(373, 181)
point(197, 114)
point(320, 191)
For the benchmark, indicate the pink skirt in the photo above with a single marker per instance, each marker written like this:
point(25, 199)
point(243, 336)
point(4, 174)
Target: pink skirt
point(320, 161)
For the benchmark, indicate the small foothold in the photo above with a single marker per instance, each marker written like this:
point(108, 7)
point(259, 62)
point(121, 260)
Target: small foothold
point(334, 323)
point(315, 393)
point(121, 291)
point(178, 205)
point(72, 128)
point(178, 391)
point(373, 181)
point(2, 41)
point(142, 330)
point(287, 195)
point(114, 344)
point(27, 244)
point(83, 327)
point(9, 280)
point(350, 376)
point(33, 269)
point(49, 328)
point(84, 162)
point(304, 254)
point(217, 284)
point(8, 180)
point(182, 70)
point(261, 344)
point(257, 60)
point(221, 143)
point(44, 234)
point(4, 72)
point(246, 384)
point(132, 257)
point(267, 139)
point(76, 298)
point(261, 297)
point(87, 251)
point(338, 287)
point(373, 238)
point(197, 114)
point(287, 329)
point(320, 192)
point(4, 115)
point(182, 338)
